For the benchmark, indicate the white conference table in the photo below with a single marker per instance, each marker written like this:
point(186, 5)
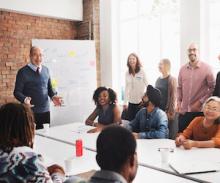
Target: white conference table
point(55, 152)
point(69, 133)
point(147, 150)
point(149, 156)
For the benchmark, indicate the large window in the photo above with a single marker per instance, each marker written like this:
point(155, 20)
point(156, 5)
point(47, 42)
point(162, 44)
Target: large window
point(214, 34)
point(149, 28)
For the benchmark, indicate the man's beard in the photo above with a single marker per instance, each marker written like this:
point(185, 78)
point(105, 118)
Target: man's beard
point(192, 59)
point(146, 104)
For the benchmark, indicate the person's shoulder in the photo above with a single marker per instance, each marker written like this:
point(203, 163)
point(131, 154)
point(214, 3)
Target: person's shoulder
point(172, 78)
point(27, 163)
point(197, 120)
point(204, 65)
point(160, 112)
point(141, 70)
point(158, 79)
point(114, 105)
point(76, 179)
point(25, 156)
point(201, 62)
point(45, 68)
point(183, 68)
point(23, 69)
point(142, 111)
point(127, 75)
point(218, 75)
point(28, 157)
point(24, 151)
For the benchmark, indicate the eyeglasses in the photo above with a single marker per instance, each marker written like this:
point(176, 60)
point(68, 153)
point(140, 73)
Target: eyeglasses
point(207, 108)
point(193, 49)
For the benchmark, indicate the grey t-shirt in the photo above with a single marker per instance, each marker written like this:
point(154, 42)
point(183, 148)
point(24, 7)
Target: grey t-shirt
point(162, 85)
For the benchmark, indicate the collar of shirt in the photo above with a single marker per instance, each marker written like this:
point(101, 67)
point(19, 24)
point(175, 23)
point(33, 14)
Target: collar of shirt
point(153, 112)
point(109, 175)
point(198, 65)
point(34, 67)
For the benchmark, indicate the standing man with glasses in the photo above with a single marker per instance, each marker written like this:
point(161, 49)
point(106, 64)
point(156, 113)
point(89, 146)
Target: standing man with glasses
point(195, 84)
point(33, 86)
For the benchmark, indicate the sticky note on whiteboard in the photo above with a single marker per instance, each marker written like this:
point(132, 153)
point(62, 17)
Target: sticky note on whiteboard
point(54, 83)
point(72, 53)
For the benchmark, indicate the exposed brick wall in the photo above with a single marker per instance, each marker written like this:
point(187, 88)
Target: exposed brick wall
point(16, 33)
point(89, 29)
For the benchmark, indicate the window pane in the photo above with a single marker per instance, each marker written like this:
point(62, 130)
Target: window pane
point(170, 40)
point(128, 9)
point(145, 7)
point(214, 34)
point(128, 44)
point(149, 46)
point(151, 29)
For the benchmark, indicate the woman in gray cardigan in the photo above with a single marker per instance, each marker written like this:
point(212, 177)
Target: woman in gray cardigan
point(167, 84)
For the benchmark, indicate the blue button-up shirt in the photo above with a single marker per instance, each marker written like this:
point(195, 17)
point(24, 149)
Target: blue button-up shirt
point(152, 125)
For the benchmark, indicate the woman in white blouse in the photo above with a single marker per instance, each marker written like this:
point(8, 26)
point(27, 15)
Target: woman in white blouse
point(135, 86)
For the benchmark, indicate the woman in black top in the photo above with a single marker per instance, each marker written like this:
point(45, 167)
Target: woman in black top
point(106, 109)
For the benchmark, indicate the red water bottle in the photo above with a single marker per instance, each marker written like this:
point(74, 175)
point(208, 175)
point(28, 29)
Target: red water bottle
point(79, 148)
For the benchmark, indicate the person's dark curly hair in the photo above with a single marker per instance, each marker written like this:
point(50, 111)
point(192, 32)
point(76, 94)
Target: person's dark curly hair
point(112, 95)
point(17, 126)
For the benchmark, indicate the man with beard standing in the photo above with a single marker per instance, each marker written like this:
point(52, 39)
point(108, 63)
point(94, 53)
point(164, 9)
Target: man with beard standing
point(195, 84)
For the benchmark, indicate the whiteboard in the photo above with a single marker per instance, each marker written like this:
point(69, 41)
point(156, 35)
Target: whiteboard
point(72, 66)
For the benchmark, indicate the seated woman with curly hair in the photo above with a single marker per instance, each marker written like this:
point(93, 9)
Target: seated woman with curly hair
point(204, 131)
point(106, 109)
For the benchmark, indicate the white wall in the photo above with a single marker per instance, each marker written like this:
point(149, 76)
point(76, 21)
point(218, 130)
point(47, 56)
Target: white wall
point(204, 30)
point(189, 26)
point(62, 9)
point(106, 42)
point(194, 27)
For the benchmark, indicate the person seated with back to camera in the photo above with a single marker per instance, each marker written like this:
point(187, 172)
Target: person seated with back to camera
point(18, 161)
point(106, 109)
point(204, 131)
point(116, 156)
point(150, 122)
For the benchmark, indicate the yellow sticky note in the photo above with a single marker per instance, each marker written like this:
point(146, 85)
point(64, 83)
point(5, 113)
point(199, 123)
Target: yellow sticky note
point(54, 83)
point(72, 53)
